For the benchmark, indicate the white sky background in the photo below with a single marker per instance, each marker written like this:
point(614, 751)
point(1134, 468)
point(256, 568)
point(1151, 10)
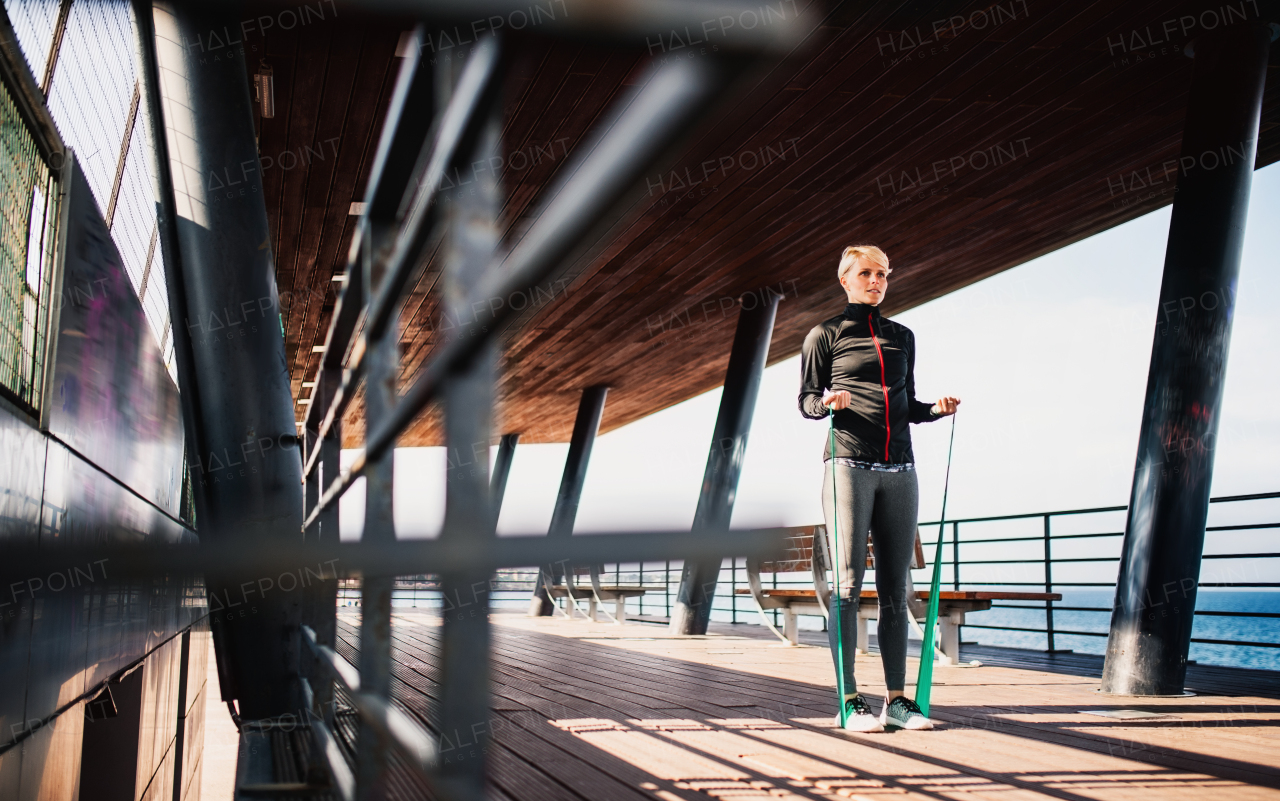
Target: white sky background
point(1050, 359)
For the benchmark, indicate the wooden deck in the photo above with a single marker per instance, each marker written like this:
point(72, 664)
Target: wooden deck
point(597, 711)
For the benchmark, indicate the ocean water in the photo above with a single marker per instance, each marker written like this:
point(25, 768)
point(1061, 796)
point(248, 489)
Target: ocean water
point(1265, 630)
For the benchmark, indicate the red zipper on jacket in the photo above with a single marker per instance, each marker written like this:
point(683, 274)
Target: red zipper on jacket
point(884, 387)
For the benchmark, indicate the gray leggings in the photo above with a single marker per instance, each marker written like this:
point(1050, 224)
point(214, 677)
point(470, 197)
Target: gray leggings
point(887, 504)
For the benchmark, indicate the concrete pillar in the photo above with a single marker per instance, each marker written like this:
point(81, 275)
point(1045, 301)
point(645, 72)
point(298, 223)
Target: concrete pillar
point(1168, 506)
point(692, 611)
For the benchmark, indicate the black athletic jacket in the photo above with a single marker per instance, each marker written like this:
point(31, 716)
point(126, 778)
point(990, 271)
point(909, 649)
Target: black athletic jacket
point(879, 372)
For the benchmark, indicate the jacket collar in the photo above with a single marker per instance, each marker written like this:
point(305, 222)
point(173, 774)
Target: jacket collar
point(858, 312)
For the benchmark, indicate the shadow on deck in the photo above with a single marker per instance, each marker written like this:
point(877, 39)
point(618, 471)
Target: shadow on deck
point(596, 711)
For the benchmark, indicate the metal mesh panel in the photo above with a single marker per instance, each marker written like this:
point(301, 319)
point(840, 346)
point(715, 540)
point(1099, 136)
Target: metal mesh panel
point(90, 100)
point(92, 89)
point(33, 24)
point(134, 230)
point(28, 214)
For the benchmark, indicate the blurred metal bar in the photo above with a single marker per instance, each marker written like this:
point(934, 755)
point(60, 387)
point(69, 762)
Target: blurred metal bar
point(472, 233)
point(1169, 503)
point(330, 452)
point(635, 22)
point(585, 427)
point(669, 98)
point(321, 613)
point(692, 611)
point(501, 471)
point(325, 748)
point(308, 563)
point(391, 724)
point(338, 668)
point(459, 124)
point(407, 151)
point(403, 137)
point(310, 481)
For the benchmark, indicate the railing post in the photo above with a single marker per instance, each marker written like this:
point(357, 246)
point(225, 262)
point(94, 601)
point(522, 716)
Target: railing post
point(955, 555)
point(1048, 583)
point(383, 360)
point(733, 590)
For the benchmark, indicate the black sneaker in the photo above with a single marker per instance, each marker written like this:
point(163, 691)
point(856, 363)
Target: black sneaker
point(904, 713)
point(858, 716)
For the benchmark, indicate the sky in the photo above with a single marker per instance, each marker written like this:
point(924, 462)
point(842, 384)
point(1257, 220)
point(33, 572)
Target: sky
point(1050, 360)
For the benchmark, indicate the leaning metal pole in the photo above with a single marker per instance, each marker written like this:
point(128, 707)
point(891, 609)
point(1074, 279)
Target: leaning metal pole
point(1169, 503)
point(247, 462)
point(692, 610)
point(502, 471)
point(585, 427)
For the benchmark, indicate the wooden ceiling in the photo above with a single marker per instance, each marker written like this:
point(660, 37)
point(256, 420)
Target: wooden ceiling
point(964, 138)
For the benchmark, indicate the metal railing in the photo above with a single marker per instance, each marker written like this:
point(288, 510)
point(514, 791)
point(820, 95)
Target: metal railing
point(1055, 566)
point(1060, 572)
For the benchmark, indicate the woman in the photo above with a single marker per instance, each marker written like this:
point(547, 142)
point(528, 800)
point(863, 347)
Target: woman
point(860, 367)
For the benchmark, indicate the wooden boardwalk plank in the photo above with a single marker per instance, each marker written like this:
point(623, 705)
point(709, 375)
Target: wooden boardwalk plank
point(588, 711)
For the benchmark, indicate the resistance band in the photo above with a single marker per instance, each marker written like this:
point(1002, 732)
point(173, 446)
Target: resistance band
point(924, 680)
point(835, 606)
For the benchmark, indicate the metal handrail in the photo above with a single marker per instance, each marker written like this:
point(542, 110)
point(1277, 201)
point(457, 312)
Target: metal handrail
point(1048, 561)
point(727, 601)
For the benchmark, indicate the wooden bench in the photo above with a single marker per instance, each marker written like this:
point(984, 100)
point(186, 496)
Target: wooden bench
point(596, 594)
point(806, 552)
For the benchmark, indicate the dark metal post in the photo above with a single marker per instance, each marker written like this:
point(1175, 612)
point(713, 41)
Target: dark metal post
point(245, 463)
point(955, 555)
point(330, 379)
point(180, 733)
point(1048, 583)
point(472, 236)
point(585, 427)
point(502, 471)
point(311, 482)
point(1168, 506)
point(408, 120)
point(382, 359)
point(750, 352)
point(325, 621)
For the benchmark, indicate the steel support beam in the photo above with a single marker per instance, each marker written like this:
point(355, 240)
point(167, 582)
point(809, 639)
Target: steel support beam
point(1169, 503)
point(501, 471)
point(585, 427)
point(244, 461)
point(692, 610)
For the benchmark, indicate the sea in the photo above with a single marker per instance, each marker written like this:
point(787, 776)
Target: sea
point(1093, 626)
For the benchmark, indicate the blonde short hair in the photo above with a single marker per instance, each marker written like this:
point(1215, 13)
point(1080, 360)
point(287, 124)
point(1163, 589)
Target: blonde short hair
point(869, 252)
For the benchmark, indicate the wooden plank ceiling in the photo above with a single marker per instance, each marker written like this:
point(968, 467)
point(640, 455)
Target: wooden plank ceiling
point(962, 137)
